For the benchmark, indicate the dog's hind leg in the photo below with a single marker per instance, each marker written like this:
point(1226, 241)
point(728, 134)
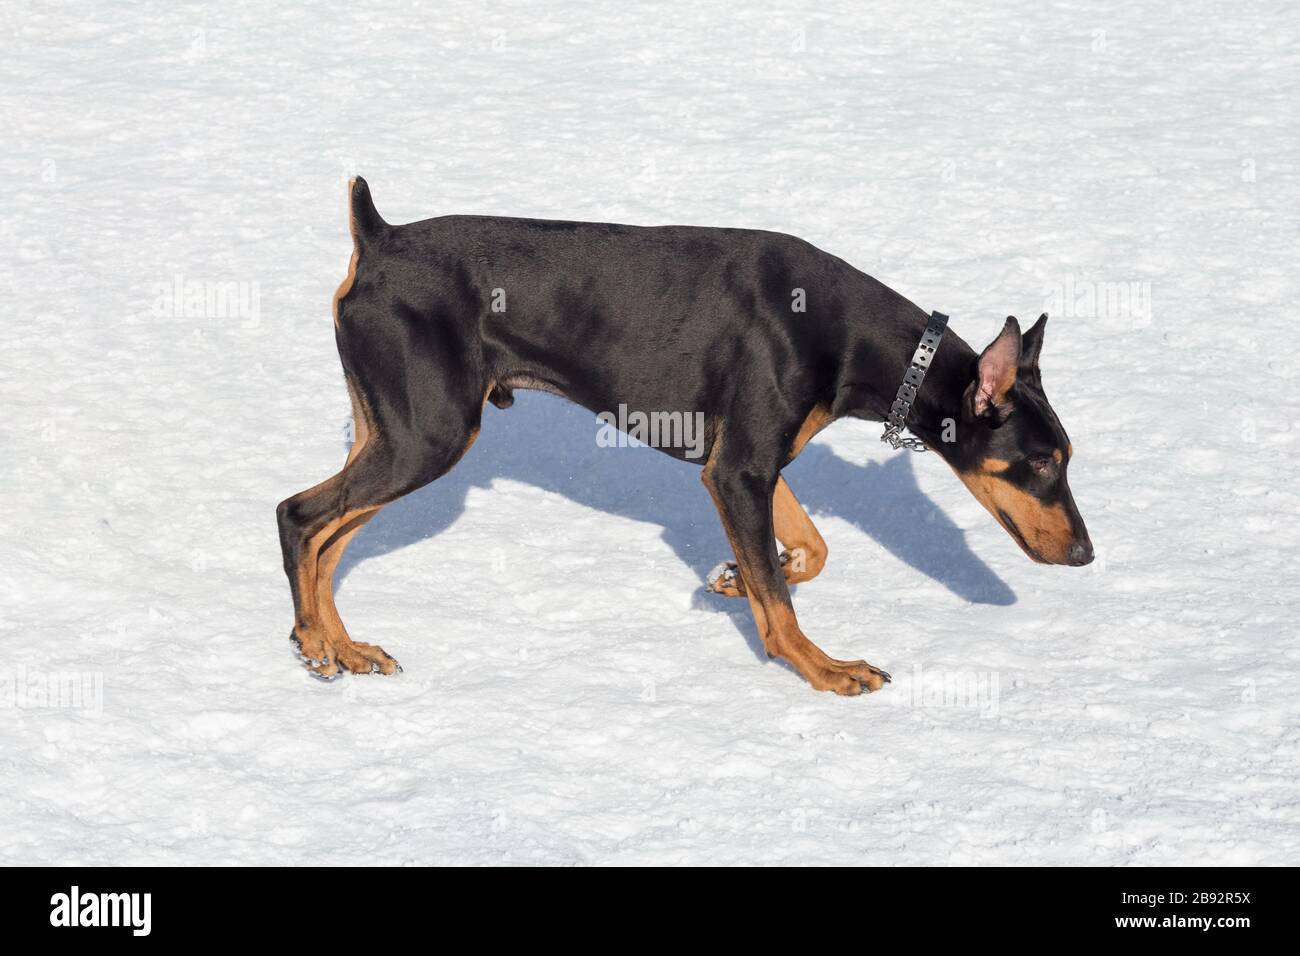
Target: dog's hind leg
point(805, 550)
point(316, 526)
point(351, 655)
point(743, 495)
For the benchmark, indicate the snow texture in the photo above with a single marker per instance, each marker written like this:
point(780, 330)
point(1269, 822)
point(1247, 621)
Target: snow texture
point(571, 695)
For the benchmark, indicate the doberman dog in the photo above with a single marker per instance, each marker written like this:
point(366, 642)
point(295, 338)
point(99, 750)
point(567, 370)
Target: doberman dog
point(764, 337)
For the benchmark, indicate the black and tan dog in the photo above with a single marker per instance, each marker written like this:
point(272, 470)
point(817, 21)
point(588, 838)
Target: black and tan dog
point(766, 337)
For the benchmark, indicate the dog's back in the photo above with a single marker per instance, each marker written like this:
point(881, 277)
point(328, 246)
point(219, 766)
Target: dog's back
point(606, 314)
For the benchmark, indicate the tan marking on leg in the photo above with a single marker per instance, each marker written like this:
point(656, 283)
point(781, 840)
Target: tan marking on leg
point(755, 606)
point(317, 638)
point(795, 530)
point(332, 550)
point(328, 546)
point(782, 637)
point(328, 556)
point(310, 567)
point(355, 656)
point(305, 570)
point(805, 551)
point(778, 628)
point(817, 419)
point(322, 633)
point(823, 672)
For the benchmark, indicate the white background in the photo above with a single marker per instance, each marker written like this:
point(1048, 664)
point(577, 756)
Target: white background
point(571, 695)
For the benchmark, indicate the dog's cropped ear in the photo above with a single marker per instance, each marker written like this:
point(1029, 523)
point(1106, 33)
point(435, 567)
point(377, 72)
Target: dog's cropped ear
point(1031, 343)
point(996, 373)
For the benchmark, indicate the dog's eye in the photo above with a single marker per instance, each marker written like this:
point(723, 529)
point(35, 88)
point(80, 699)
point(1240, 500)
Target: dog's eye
point(1041, 464)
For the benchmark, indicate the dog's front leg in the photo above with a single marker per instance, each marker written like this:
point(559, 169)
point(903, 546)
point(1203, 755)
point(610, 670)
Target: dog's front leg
point(805, 550)
point(743, 496)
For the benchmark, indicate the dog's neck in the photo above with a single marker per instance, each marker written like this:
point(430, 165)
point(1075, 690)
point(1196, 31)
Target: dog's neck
point(943, 392)
point(871, 379)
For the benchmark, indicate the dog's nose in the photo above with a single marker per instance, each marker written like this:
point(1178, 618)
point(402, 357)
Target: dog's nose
point(1081, 553)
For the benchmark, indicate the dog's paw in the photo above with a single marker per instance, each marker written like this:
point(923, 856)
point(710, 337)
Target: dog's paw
point(326, 662)
point(851, 678)
point(315, 655)
point(724, 579)
point(367, 659)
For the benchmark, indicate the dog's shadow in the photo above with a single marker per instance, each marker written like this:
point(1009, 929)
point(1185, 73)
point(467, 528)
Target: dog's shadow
point(551, 444)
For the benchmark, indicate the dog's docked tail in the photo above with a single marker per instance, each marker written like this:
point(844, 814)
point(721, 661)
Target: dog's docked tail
point(364, 220)
point(366, 226)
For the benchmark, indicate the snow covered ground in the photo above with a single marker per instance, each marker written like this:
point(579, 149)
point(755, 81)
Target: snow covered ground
point(571, 695)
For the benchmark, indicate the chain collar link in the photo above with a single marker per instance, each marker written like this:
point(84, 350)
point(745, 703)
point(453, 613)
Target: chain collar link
point(896, 440)
point(912, 380)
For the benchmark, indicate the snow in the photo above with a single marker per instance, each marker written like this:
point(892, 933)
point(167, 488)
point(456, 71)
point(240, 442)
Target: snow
point(570, 694)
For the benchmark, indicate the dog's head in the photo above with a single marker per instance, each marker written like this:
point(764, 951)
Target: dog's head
point(1013, 454)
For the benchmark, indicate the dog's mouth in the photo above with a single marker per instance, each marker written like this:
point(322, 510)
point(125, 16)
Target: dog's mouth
point(1006, 521)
